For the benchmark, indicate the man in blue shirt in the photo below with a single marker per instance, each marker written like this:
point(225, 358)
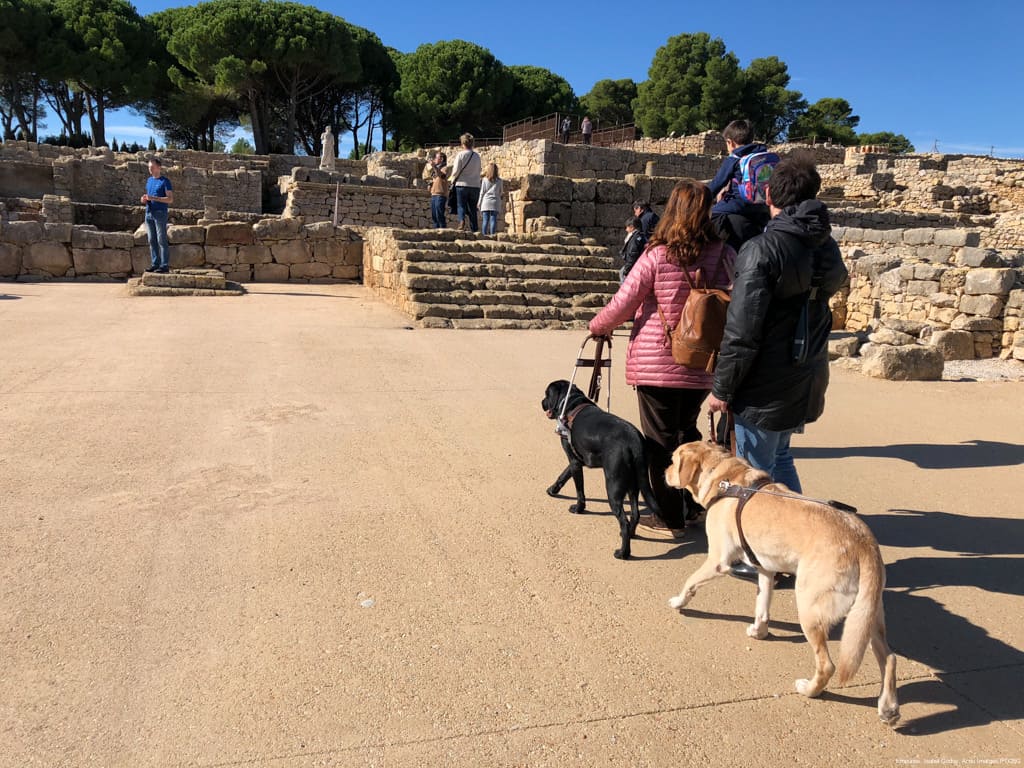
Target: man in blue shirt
point(158, 195)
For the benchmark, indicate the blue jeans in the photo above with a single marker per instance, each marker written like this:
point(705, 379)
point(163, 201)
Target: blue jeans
point(156, 226)
point(767, 450)
point(438, 203)
point(490, 222)
point(467, 198)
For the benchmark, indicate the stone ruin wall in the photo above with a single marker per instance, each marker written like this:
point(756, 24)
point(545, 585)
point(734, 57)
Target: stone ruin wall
point(914, 228)
point(271, 250)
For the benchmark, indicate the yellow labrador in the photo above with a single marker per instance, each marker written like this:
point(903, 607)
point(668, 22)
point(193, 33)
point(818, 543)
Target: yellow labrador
point(839, 570)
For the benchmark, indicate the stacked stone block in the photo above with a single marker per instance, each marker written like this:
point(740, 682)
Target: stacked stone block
point(359, 205)
point(270, 250)
point(444, 278)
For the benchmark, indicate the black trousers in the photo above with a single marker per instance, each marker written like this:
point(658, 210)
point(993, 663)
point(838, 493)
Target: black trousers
point(668, 418)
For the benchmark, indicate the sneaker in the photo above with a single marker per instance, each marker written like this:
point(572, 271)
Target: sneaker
point(163, 270)
point(152, 269)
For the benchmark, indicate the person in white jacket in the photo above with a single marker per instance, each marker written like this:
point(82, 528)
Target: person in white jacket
point(465, 177)
point(491, 189)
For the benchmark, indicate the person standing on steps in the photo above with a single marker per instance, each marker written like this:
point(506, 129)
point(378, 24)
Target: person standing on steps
point(587, 129)
point(491, 189)
point(465, 175)
point(438, 174)
point(158, 196)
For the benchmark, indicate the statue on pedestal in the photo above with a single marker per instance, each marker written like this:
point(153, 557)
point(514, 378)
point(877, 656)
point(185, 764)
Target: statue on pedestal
point(327, 153)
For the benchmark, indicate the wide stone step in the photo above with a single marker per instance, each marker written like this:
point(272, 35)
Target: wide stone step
point(502, 312)
point(433, 255)
point(532, 271)
point(510, 298)
point(501, 324)
point(446, 283)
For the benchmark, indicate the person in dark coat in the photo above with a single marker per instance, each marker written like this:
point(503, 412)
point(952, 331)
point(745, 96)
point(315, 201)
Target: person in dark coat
point(648, 218)
point(633, 247)
point(784, 278)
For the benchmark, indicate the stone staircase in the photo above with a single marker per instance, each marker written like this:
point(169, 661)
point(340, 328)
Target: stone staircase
point(450, 279)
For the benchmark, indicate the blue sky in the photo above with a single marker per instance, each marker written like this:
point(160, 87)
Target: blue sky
point(936, 70)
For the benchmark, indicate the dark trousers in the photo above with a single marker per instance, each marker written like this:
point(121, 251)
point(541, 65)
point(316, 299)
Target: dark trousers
point(468, 198)
point(668, 418)
point(438, 204)
point(586, 138)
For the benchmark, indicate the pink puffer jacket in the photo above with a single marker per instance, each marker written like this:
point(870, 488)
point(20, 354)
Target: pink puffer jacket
point(649, 359)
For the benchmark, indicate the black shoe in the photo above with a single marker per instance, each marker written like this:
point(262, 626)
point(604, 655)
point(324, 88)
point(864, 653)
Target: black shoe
point(743, 571)
point(163, 270)
point(152, 269)
point(785, 581)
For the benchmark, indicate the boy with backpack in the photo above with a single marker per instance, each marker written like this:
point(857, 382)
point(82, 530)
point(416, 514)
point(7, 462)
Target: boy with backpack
point(741, 211)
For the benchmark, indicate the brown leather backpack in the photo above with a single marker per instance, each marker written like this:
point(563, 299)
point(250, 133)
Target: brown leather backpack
point(698, 335)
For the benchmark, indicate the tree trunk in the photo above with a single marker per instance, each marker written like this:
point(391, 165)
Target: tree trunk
point(259, 138)
point(95, 107)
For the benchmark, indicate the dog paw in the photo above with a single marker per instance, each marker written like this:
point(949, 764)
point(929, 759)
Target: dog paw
point(804, 688)
point(578, 509)
point(620, 555)
point(889, 716)
point(759, 632)
point(552, 490)
point(678, 602)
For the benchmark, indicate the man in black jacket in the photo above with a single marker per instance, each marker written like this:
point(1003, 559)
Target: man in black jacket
point(773, 364)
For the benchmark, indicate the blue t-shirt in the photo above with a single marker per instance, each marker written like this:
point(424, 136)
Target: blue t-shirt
point(157, 188)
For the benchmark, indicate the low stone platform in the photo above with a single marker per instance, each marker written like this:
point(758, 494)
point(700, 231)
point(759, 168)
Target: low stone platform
point(184, 282)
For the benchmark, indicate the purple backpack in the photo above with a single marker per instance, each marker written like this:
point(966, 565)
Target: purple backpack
point(755, 170)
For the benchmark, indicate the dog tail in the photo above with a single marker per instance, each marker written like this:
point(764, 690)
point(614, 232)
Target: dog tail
point(863, 616)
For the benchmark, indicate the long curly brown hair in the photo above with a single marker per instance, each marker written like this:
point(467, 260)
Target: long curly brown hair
point(685, 228)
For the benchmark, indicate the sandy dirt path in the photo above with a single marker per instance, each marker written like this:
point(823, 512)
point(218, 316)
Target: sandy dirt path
point(285, 530)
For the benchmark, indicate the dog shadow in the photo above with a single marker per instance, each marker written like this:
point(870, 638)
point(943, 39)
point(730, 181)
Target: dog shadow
point(921, 628)
point(971, 454)
point(796, 634)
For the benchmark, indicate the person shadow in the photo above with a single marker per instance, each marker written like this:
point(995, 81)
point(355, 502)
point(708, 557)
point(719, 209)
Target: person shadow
point(971, 668)
point(966, 455)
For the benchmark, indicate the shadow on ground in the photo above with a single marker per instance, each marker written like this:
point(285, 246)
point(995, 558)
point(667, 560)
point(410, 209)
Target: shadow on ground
point(973, 453)
point(922, 628)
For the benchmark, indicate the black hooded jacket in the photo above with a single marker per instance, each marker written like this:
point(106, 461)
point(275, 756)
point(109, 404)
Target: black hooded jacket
point(756, 372)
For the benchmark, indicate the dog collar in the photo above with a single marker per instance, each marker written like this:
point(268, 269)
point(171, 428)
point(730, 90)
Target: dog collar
point(571, 417)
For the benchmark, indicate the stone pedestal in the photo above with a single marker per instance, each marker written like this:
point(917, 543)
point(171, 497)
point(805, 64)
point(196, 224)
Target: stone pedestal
point(184, 282)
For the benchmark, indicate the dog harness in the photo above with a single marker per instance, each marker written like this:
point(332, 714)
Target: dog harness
point(564, 427)
point(743, 494)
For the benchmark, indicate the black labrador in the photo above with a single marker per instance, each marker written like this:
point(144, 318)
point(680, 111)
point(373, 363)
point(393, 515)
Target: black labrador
point(599, 439)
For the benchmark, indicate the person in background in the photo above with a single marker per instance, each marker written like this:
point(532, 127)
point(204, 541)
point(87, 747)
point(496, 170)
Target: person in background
point(670, 395)
point(566, 129)
point(491, 190)
point(438, 170)
point(633, 247)
point(648, 218)
point(465, 175)
point(159, 194)
point(587, 129)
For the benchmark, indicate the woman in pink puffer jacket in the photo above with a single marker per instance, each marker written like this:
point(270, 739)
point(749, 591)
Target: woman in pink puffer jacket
point(670, 394)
